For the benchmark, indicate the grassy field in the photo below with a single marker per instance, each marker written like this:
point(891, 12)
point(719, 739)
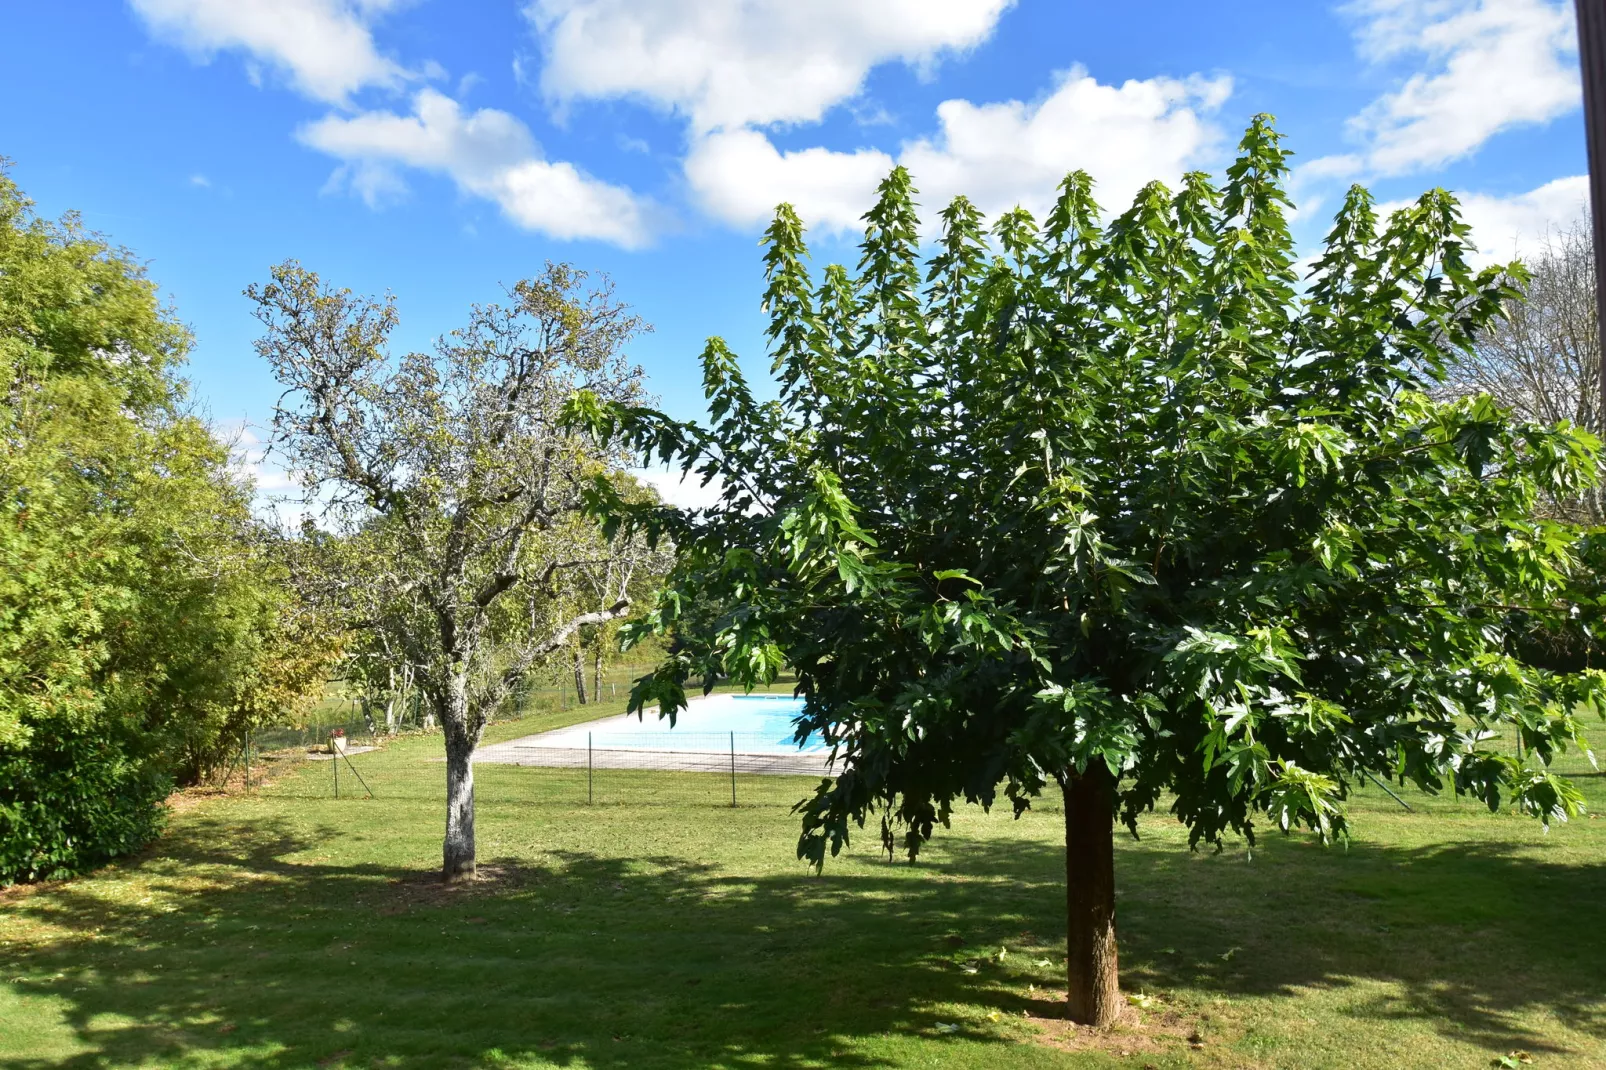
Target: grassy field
point(288, 929)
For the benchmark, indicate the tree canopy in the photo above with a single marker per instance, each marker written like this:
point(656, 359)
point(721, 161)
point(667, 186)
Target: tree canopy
point(143, 630)
point(1542, 358)
point(453, 491)
point(1130, 511)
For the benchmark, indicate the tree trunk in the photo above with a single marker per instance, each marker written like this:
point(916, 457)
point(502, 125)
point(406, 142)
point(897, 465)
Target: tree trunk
point(596, 674)
point(1092, 982)
point(457, 862)
point(579, 676)
point(390, 702)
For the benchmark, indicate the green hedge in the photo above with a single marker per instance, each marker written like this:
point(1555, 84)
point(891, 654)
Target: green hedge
point(72, 802)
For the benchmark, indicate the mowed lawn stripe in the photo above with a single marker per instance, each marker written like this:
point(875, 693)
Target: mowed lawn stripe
point(289, 929)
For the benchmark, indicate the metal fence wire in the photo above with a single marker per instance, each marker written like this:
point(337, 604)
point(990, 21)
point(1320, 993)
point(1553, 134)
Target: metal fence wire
point(605, 761)
point(563, 768)
point(365, 718)
point(616, 765)
point(566, 769)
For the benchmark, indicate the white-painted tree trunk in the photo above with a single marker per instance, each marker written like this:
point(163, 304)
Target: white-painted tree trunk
point(457, 862)
point(390, 702)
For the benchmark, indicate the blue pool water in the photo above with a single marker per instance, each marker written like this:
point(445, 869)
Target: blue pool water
point(761, 724)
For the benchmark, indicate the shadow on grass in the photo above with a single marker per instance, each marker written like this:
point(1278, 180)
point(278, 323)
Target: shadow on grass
point(247, 949)
point(1477, 940)
point(588, 960)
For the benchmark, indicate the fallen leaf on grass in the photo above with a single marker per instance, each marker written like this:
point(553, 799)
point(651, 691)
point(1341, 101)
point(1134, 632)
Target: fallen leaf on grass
point(947, 1027)
point(1044, 962)
point(1226, 956)
point(1514, 1060)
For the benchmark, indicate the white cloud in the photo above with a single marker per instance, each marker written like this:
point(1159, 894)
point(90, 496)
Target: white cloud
point(730, 63)
point(1508, 227)
point(999, 155)
point(325, 47)
point(488, 153)
point(328, 51)
point(437, 136)
point(277, 496)
point(739, 177)
point(732, 67)
point(1511, 226)
point(685, 491)
point(249, 458)
point(1492, 65)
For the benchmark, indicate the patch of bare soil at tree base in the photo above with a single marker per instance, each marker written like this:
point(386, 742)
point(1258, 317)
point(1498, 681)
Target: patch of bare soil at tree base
point(1153, 1032)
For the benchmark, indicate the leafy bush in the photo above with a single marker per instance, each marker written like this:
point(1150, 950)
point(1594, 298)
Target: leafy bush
point(142, 623)
point(73, 801)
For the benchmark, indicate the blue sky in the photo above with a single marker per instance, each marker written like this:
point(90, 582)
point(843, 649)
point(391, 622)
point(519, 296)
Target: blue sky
point(441, 150)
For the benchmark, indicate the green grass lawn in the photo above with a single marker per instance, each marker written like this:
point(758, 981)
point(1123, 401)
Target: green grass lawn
point(661, 929)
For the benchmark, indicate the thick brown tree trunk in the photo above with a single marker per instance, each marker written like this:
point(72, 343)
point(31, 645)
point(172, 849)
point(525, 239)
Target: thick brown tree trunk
point(579, 676)
point(1093, 989)
point(457, 856)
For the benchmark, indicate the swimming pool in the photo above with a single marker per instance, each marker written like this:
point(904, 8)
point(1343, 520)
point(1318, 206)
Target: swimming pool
point(747, 724)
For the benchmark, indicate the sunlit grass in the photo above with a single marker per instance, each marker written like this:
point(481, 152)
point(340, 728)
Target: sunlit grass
point(666, 929)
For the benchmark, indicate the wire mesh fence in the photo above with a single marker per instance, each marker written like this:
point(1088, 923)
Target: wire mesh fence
point(535, 778)
point(372, 718)
point(388, 748)
point(318, 733)
point(592, 763)
point(565, 778)
point(715, 760)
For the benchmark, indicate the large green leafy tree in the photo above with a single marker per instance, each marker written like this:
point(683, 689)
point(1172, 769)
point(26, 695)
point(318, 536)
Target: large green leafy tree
point(141, 631)
point(1125, 513)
